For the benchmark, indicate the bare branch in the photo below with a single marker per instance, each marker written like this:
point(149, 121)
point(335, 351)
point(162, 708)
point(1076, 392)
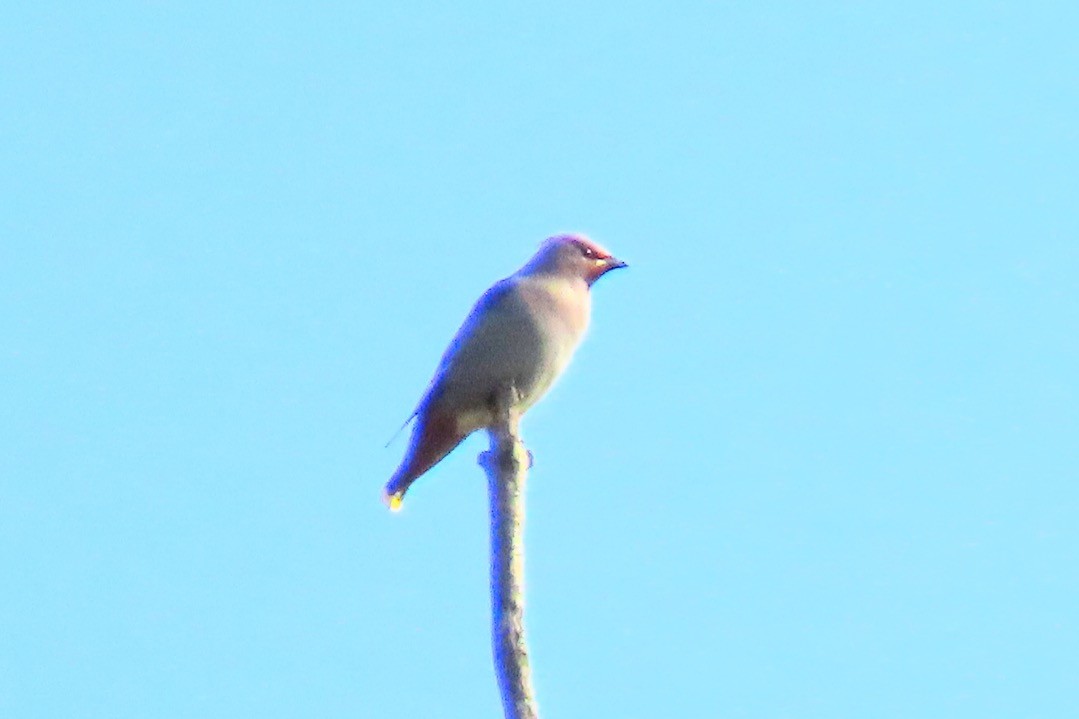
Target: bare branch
point(507, 463)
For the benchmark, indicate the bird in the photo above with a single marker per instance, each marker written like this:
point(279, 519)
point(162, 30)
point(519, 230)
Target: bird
point(522, 332)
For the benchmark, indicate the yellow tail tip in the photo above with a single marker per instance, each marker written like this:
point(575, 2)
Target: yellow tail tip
point(393, 501)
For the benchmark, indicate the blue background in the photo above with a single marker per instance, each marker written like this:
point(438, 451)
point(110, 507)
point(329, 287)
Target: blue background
point(817, 457)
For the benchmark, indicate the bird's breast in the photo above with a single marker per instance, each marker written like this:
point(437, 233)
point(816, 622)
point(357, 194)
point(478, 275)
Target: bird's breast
point(527, 339)
point(559, 314)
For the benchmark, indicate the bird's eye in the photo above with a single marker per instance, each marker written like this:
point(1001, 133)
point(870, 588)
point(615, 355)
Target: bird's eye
point(588, 252)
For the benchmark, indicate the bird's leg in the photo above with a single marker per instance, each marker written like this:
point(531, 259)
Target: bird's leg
point(506, 448)
point(505, 403)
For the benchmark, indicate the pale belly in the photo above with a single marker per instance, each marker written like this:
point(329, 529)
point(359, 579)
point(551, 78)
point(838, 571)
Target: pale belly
point(528, 344)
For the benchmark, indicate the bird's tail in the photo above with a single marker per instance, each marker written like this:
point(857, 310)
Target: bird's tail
point(393, 496)
point(433, 438)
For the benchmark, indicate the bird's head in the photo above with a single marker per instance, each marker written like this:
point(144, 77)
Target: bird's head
point(573, 256)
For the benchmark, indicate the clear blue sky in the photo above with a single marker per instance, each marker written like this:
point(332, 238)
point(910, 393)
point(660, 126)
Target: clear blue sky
point(817, 457)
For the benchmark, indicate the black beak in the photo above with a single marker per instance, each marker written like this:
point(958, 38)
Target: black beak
point(615, 264)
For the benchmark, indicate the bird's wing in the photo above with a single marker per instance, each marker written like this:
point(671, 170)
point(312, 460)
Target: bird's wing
point(485, 315)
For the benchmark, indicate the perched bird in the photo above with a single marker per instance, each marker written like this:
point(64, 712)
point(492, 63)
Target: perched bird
point(523, 331)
